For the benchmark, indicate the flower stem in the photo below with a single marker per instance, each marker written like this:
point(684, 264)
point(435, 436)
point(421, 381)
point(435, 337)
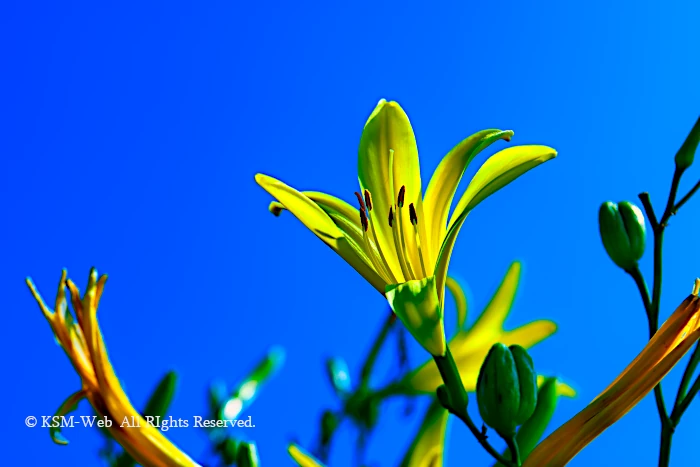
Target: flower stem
point(457, 405)
point(368, 366)
point(658, 227)
point(686, 197)
point(685, 382)
point(514, 451)
point(644, 292)
point(678, 411)
point(322, 450)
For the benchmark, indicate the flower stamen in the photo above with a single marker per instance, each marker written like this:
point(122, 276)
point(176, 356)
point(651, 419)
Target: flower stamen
point(395, 226)
point(371, 251)
point(402, 238)
point(375, 238)
point(414, 221)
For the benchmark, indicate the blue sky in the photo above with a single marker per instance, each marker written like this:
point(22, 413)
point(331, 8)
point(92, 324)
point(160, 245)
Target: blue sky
point(131, 134)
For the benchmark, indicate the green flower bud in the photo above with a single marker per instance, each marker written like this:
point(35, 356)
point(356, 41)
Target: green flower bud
point(249, 389)
point(506, 390)
point(247, 455)
point(623, 232)
point(338, 375)
point(530, 433)
point(686, 154)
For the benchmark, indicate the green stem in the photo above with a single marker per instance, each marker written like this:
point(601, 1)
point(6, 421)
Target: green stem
point(514, 451)
point(678, 411)
point(668, 212)
point(374, 351)
point(390, 390)
point(686, 197)
point(458, 400)
point(644, 292)
point(658, 227)
point(665, 451)
point(687, 375)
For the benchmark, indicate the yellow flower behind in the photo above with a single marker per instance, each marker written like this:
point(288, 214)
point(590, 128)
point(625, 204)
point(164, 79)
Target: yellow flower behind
point(81, 339)
point(470, 346)
point(426, 450)
point(659, 356)
point(398, 239)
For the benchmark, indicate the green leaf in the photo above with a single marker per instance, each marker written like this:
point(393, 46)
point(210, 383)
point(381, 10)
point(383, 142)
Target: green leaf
point(247, 455)
point(228, 448)
point(162, 396)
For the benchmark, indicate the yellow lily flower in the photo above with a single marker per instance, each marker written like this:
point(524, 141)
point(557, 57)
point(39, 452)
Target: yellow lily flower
point(85, 348)
point(405, 255)
point(303, 458)
point(426, 450)
point(470, 346)
point(428, 447)
point(659, 356)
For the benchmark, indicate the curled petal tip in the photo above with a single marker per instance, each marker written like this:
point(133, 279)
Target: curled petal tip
point(696, 287)
point(276, 208)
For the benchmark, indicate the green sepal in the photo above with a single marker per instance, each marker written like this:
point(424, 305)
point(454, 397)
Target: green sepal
point(68, 406)
point(417, 305)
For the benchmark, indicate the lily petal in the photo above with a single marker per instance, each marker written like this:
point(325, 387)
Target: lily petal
point(388, 160)
point(489, 325)
point(427, 448)
point(460, 301)
point(563, 389)
point(344, 216)
point(323, 226)
point(303, 458)
point(443, 184)
point(658, 357)
point(426, 378)
point(498, 171)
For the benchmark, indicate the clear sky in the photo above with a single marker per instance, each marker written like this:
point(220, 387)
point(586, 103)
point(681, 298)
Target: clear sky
point(131, 133)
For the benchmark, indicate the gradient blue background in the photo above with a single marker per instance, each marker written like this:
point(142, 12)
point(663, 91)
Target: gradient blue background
point(131, 134)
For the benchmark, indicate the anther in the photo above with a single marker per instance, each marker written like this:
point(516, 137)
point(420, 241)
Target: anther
point(368, 200)
point(402, 195)
point(359, 198)
point(412, 214)
point(391, 217)
point(363, 219)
